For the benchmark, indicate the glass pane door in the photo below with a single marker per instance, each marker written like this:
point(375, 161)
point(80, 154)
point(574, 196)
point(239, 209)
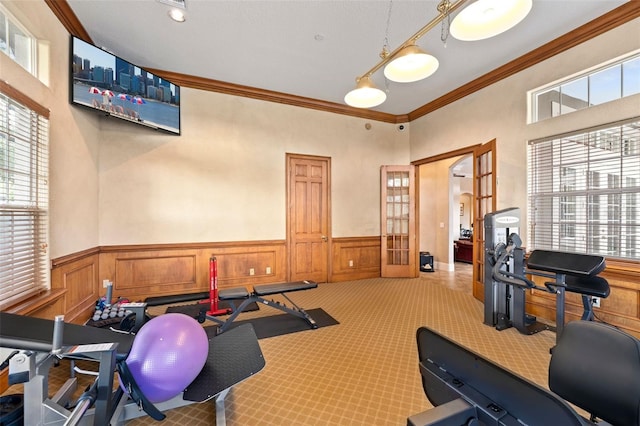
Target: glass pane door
point(398, 224)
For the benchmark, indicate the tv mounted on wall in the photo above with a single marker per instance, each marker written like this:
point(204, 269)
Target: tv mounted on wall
point(108, 84)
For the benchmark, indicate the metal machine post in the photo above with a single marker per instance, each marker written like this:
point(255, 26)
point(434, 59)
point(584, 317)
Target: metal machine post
point(498, 226)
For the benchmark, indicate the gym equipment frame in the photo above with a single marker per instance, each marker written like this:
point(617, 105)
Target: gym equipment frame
point(41, 342)
point(506, 282)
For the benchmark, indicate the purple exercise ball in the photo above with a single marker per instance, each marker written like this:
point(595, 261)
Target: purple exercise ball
point(167, 354)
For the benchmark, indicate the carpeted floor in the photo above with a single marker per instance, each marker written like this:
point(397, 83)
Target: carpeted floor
point(364, 371)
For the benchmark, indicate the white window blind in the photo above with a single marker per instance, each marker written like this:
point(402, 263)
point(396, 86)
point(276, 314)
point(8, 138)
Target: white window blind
point(24, 258)
point(584, 191)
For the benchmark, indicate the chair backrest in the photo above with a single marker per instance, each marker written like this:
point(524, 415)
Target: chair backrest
point(597, 368)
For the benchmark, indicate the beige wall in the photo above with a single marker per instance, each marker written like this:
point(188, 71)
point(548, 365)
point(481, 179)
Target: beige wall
point(500, 112)
point(74, 135)
point(223, 179)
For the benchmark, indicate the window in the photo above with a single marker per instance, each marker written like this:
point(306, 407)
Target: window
point(16, 42)
point(24, 258)
point(584, 191)
point(607, 83)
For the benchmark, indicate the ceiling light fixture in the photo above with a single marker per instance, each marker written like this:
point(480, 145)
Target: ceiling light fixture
point(365, 95)
point(408, 63)
point(488, 18)
point(411, 64)
point(177, 15)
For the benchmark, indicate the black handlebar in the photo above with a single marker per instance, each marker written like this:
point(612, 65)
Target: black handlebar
point(510, 277)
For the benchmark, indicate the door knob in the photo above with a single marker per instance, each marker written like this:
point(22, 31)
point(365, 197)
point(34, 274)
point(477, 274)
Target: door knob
point(324, 238)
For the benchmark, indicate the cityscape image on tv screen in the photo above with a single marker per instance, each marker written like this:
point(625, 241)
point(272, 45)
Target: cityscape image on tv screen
point(107, 83)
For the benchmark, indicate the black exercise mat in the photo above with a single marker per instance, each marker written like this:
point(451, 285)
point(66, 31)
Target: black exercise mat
point(277, 325)
point(194, 310)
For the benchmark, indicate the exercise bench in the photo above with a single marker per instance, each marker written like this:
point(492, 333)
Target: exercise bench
point(232, 358)
point(258, 296)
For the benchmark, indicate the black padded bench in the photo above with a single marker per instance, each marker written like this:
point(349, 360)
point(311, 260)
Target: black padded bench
point(258, 295)
point(588, 287)
point(582, 265)
point(580, 275)
point(266, 289)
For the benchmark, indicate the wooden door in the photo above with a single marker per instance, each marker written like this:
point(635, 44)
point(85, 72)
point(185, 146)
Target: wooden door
point(398, 222)
point(484, 195)
point(308, 217)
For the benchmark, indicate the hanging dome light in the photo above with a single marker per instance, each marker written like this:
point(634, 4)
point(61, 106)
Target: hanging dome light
point(365, 95)
point(487, 18)
point(411, 64)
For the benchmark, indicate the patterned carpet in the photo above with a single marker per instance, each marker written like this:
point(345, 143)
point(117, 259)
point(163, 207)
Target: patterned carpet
point(364, 371)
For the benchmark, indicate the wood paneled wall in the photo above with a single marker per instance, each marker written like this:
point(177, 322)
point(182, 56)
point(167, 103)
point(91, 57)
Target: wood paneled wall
point(141, 271)
point(355, 258)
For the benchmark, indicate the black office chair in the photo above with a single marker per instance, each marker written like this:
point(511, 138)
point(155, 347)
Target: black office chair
point(597, 368)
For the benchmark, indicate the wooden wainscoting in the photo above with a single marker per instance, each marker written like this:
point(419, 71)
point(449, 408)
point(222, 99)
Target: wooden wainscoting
point(141, 271)
point(621, 308)
point(138, 272)
point(77, 275)
point(355, 258)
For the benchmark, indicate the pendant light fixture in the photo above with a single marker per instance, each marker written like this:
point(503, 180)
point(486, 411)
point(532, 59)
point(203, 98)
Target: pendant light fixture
point(487, 18)
point(409, 63)
point(365, 95)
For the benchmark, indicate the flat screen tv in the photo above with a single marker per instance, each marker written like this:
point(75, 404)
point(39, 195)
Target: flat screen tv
point(110, 85)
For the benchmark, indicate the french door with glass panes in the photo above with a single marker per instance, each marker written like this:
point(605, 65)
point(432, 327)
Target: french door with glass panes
point(398, 255)
point(484, 193)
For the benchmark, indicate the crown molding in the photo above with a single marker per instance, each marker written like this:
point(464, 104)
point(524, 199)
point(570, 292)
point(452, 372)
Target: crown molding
point(211, 85)
point(69, 20)
point(600, 25)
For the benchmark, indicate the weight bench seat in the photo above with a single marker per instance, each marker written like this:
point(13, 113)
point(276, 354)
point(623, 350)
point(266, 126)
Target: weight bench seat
point(265, 290)
point(233, 293)
point(591, 286)
point(257, 295)
point(269, 289)
point(233, 357)
point(566, 263)
point(588, 287)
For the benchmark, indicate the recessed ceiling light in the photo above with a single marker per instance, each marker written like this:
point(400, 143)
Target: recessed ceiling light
point(177, 15)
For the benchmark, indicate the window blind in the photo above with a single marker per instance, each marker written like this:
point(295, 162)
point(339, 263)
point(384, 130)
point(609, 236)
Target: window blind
point(584, 191)
point(24, 258)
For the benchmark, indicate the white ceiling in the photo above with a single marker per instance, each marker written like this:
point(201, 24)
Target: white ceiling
point(314, 48)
